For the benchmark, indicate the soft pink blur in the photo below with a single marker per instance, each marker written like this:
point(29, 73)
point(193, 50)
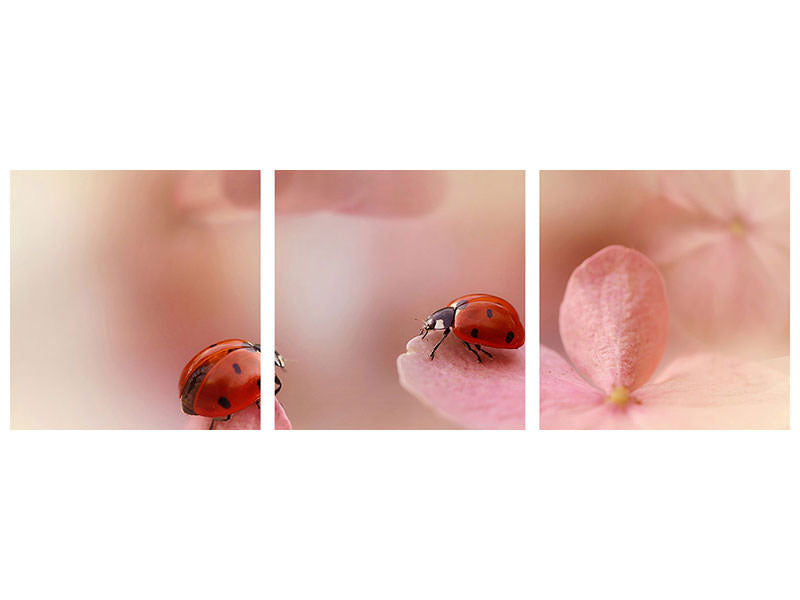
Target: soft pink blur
point(349, 287)
point(719, 238)
point(360, 193)
point(117, 279)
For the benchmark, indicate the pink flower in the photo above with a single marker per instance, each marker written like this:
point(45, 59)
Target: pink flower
point(281, 420)
point(721, 239)
point(614, 321)
point(485, 395)
point(247, 418)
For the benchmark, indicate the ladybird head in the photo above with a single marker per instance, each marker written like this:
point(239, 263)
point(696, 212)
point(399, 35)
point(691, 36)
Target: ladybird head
point(426, 327)
point(441, 319)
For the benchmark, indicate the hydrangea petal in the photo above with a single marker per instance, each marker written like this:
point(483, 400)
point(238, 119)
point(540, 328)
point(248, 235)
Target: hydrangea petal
point(614, 318)
point(706, 391)
point(281, 420)
point(732, 293)
point(710, 194)
point(567, 401)
point(721, 241)
point(247, 418)
point(485, 395)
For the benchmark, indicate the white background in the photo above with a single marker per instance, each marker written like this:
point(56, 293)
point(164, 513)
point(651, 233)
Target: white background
point(461, 514)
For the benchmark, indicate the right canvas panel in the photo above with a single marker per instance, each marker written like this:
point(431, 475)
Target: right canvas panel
point(664, 300)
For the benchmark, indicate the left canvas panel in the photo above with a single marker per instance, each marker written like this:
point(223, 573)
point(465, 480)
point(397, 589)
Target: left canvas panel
point(135, 300)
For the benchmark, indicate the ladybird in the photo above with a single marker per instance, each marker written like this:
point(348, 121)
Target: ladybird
point(480, 320)
point(221, 379)
point(278, 363)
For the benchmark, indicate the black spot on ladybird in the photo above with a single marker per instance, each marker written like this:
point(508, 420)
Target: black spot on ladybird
point(258, 382)
point(509, 337)
point(231, 350)
point(237, 368)
point(224, 402)
point(212, 345)
point(474, 333)
point(489, 313)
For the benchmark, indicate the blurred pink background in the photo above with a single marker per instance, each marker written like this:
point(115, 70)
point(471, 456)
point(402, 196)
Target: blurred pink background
point(349, 286)
point(117, 279)
point(720, 238)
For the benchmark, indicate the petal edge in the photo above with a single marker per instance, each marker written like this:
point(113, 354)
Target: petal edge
point(614, 318)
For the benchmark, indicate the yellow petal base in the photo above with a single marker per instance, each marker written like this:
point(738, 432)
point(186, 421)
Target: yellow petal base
point(619, 396)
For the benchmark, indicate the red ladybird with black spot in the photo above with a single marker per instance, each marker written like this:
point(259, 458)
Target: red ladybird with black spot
point(221, 379)
point(480, 320)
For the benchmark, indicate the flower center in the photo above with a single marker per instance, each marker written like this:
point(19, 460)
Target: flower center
point(619, 395)
point(737, 227)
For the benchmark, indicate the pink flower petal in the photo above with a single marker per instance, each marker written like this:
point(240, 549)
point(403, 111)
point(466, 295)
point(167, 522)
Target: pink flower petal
point(721, 240)
point(732, 293)
point(370, 193)
point(281, 420)
point(567, 401)
point(248, 418)
point(714, 392)
point(707, 194)
point(755, 196)
point(487, 395)
point(199, 423)
point(614, 318)
point(696, 392)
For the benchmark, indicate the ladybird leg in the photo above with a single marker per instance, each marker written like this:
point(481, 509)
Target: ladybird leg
point(471, 349)
point(478, 346)
point(258, 403)
point(279, 384)
point(446, 332)
point(210, 427)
